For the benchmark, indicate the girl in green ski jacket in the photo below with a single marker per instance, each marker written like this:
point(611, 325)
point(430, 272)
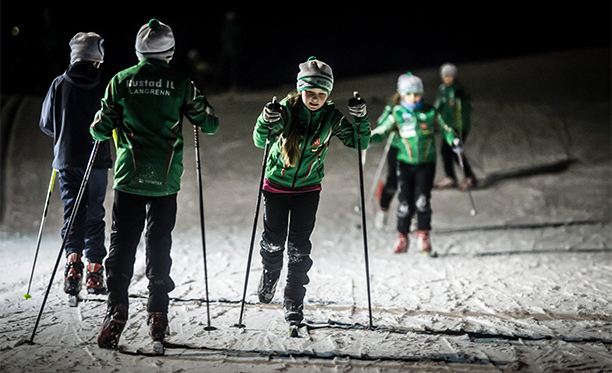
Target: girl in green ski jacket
point(387, 189)
point(415, 124)
point(299, 130)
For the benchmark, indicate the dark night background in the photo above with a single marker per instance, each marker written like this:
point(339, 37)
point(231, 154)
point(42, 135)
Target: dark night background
point(354, 40)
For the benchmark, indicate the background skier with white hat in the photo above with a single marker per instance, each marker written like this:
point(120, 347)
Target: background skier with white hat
point(453, 103)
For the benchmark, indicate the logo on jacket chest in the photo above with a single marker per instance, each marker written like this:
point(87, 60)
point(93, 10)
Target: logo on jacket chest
point(315, 144)
point(414, 124)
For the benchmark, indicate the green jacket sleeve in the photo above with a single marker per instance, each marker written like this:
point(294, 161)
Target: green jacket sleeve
point(106, 118)
point(448, 134)
point(199, 112)
point(344, 129)
point(386, 124)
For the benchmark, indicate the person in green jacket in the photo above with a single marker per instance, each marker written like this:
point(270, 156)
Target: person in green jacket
point(453, 103)
point(143, 107)
point(299, 130)
point(415, 123)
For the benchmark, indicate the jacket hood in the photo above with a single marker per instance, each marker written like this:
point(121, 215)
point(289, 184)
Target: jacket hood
point(83, 75)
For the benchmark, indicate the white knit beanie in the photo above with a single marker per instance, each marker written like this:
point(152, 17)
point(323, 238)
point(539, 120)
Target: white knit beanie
point(155, 40)
point(315, 74)
point(448, 69)
point(86, 46)
point(408, 83)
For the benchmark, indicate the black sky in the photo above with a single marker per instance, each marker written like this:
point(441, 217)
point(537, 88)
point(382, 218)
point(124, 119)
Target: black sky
point(354, 40)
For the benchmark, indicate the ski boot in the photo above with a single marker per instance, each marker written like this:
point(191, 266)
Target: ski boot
point(158, 329)
point(73, 275)
point(424, 243)
point(446, 183)
point(467, 183)
point(401, 246)
point(94, 282)
point(294, 315)
point(112, 327)
point(267, 285)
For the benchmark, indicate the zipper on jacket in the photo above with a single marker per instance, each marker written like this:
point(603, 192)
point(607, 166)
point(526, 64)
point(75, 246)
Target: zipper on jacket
point(303, 150)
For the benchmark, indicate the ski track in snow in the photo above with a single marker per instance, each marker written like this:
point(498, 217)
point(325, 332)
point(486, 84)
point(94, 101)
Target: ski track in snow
point(526, 298)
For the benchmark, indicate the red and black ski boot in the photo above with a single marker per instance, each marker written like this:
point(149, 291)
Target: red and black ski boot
point(401, 245)
point(73, 276)
point(424, 243)
point(158, 329)
point(112, 327)
point(94, 282)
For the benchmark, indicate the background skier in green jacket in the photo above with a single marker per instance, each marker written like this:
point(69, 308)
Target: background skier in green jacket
point(300, 128)
point(415, 123)
point(453, 103)
point(145, 105)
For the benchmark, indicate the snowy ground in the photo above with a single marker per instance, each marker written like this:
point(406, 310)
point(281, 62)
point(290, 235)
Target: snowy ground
point(523, 285)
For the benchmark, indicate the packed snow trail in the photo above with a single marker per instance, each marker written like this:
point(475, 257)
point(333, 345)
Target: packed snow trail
point(524, 284)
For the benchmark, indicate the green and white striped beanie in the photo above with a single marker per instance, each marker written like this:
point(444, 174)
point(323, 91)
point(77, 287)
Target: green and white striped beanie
point(315, 74)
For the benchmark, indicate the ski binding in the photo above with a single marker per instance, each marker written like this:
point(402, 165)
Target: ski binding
point(158, 348)
point(294, 330)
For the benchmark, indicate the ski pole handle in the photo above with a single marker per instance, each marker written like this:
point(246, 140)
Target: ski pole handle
point(357, 106)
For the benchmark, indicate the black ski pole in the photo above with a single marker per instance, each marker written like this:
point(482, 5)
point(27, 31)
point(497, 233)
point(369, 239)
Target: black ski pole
point(469, 188)
point(40, 231)
point(363, 214)
point(196, 138)
point(257, 206)
point(77, 203)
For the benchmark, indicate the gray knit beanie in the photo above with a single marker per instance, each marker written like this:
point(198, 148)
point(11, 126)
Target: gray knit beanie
point(408, 83)
point(315, 74)
point(448, 69)
point(86, 46)
point(155, 40)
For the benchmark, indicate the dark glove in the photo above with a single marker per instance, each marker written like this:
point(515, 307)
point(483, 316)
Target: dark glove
point(357, 106)
point(272, 111)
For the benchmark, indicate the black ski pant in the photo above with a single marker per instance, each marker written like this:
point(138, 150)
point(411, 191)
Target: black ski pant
point(289, 218)
point(391, 182)
point(130, 212)
point(450, 158)
point(87, 233)
point(415, 183)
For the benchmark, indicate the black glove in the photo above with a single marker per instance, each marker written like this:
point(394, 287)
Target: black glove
point(357, 106)
point(272, 111)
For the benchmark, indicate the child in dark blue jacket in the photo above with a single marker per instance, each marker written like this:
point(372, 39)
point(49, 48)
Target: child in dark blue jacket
point(67, 111)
